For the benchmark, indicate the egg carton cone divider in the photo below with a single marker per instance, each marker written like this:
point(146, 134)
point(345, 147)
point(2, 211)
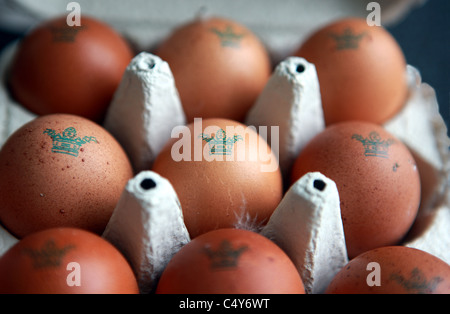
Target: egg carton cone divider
point(145, 109)
point(290, 101)
point(307, 225)
point(147, 227)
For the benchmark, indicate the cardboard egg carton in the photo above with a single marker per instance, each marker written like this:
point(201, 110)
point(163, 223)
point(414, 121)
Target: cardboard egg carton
point(147, 224)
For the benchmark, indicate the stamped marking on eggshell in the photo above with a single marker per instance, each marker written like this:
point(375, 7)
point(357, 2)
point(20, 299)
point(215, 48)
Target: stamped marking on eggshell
point(417, 281)
point(65, 33)
point(225, 256)
point(228, 37)
point(49, 255)
point(395, 167)
point(220, 144)
point(347, 39)
point(68, 143)
point(374, 146)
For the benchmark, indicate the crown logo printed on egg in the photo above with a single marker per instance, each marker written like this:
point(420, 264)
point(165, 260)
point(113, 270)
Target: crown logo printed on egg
point(220, 144)
point(49, 255)
point(68, 143)
point(417, 281)
point(228, 37)
point(348, 40)
point(225, 256)
point(65, 33)
point(374, 146)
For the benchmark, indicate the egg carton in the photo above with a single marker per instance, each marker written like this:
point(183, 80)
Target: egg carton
point(147, 224)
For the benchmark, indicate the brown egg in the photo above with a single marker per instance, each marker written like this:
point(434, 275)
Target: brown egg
point(69, 69)
point(65, 261)
point(224, 174)
point(60, 170)
point(220, 67)
point(230, 261)
point(377, 180)
point(393, 270)
point(361, 71)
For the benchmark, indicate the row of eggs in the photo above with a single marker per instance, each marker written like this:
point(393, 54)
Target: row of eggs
point(68, 163)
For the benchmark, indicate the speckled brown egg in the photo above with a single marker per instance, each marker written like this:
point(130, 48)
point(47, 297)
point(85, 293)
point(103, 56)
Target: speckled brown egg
point(65, 261)
point(59, 68)
point(224, 174)
point(60, 171)
point(220, 67)
point(377, 180)
point(230, 261)
point(361, 71)
point(393, 270)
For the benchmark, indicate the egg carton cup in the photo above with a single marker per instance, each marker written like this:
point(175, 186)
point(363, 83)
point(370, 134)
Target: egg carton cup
point(147, 224)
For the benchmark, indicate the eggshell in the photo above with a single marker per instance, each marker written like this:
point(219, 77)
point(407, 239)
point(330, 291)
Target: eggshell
point(69, 69)
point(65, 261)
point(230, 261)
point(60, 170)
point(219, 66)
point(218, 190)
point(377, 179)
point(393, 270)
point(361, 70)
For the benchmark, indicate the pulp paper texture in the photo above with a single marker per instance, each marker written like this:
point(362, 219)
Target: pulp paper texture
point(147, 227)
point(418, 124)
point(307, 225)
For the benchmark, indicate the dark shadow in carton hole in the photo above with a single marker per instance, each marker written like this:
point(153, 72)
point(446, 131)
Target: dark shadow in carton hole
point(300, 68)
point(319, 185)
point(431, 199)
point(148, 184)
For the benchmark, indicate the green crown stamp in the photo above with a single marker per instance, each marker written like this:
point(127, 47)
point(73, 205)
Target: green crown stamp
point(50, 255)
point(374, 146)
point(348, 39)
point(220, 144)
point(417, 281)
point(228, 37)
point(65, 33)
point(68, 143)
point(225, 256)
